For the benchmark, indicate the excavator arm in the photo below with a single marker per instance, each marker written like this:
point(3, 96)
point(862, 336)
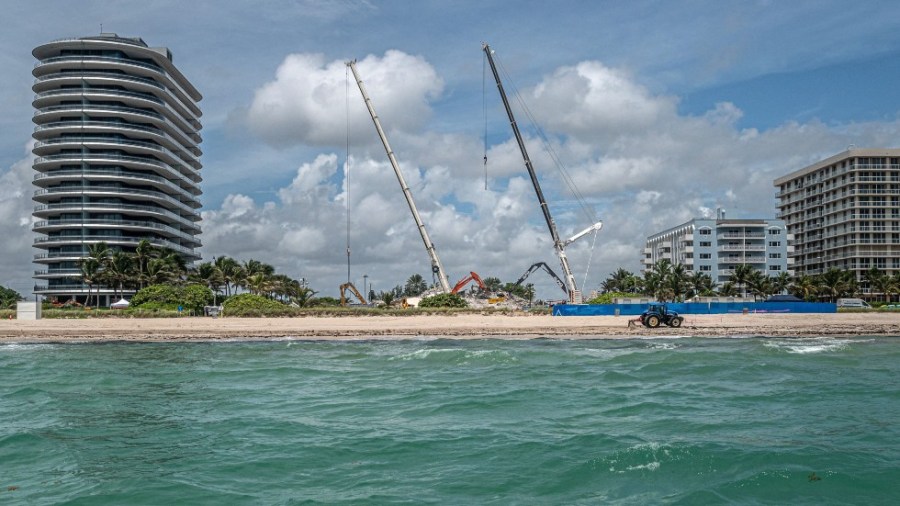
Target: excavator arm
point(349, 286)
point(534, 267)
point(469, 277)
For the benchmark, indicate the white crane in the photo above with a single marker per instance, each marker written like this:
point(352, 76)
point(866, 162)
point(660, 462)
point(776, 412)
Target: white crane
point(436, 266)
point(558, 244)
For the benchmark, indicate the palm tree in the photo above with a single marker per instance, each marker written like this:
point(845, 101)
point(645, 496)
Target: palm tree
point(875, 277)
point(886, 285)
point(207, 274)
point(230, 270)
point(142, 255)
point(835, 282)
point(760, 285)
point(100, 253)
point(492, 283)
point(416, 284)
point(158, 272)
point(728, 290)
point(804, 287)
point(119, 271)
point(677, 281)
point(781, 282)
point(90, 270)
point(176, 263)
point(618, 281)
point(740, 276)
point(701, 284)
point(258, 283)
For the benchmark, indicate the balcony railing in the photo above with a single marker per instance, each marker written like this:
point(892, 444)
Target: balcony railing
point(113, 239)
point(116, 223)
point(78, 207)
point(185, 142)
point(100, 190)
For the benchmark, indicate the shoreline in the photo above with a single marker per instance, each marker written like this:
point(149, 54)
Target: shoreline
point(463, 326)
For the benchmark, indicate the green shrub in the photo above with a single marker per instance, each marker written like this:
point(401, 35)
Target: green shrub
point(247, 304)
point(9, 297)
point(443, 300)
point(166, 297)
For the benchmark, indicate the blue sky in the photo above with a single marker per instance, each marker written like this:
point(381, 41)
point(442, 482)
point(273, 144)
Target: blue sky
point(660, 111)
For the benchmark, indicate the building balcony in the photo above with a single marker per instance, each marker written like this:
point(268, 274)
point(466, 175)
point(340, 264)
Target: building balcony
point(112, 240)
point(56, 129)
point(732, 235)
point(114, 68)
point(742, 247)
point(98, 143)
point(168, 123)
point(50, 194)
point(742, 260)
point(186, 239)
point(188, 224)
point(57, 273)
point(166, 186)
point(138, 99)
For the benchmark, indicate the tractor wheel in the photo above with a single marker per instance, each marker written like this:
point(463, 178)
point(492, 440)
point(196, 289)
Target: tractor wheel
point(652, 321)
point(676, 322)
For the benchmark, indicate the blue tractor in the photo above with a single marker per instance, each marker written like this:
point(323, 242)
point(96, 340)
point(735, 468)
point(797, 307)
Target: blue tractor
point(657, 313)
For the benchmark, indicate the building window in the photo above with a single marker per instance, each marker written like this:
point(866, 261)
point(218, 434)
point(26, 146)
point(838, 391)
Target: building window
point(705, 244)
point(774, 244)
point(774, 267)
point(705, 268)
point(705, 256)
point(774, 255)
point(774, 231)
point(705, 231)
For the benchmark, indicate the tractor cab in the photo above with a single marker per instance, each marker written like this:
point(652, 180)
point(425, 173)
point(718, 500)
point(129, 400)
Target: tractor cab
point(657, 313)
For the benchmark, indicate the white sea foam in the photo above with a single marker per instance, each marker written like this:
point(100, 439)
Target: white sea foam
point(808, 346)
point(19, 347)
point(650, 466)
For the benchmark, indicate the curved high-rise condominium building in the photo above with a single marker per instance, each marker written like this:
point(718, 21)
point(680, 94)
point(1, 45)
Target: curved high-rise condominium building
point(117, 157)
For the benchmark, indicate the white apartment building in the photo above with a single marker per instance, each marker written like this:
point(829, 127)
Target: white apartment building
point(844, 212)
point(716, 246)
point(117, 155)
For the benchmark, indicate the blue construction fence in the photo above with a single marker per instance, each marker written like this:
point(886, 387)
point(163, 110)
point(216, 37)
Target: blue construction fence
point(695, 308)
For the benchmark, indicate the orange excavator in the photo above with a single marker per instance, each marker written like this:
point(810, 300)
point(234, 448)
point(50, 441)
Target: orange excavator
point(470, 277)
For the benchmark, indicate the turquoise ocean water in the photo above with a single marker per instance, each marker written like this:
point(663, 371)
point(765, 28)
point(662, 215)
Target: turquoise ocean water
point(635, 421)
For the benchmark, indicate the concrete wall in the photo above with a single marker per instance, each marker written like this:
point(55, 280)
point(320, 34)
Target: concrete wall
point(28, 310)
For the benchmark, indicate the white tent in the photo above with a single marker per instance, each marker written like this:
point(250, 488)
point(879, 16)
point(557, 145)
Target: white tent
point(122, 304)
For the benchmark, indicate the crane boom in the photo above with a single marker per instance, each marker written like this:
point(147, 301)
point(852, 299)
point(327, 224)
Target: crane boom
point(436, 266)
point(558, 244)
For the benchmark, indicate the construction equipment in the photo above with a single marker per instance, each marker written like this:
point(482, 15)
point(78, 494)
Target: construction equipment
point(657, 313)
point(436, 267)
point(571, 288)
point(352, 288)
point(534, 267)
point(469, 277)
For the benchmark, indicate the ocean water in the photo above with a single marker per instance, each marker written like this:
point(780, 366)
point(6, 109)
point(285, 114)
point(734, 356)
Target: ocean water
point(635, 421)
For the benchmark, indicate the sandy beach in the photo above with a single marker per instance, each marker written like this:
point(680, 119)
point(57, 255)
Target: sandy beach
point(463, 326)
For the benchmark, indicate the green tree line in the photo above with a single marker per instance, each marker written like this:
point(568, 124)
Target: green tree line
point(666, 281)
point(148, 265)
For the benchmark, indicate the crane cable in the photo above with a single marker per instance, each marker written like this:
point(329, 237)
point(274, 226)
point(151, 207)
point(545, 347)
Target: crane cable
point(347, 162)
point(567, 178)
point(484, 109)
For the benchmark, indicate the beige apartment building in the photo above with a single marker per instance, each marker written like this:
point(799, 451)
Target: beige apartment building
point(844, 212)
